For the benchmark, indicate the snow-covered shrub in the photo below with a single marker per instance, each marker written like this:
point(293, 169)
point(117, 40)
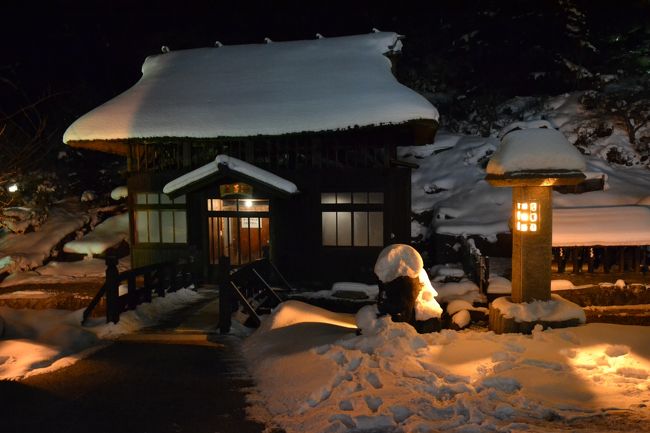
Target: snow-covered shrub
point(88, 195)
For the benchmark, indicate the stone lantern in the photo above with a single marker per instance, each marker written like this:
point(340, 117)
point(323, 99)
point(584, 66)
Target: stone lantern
point(532, 162)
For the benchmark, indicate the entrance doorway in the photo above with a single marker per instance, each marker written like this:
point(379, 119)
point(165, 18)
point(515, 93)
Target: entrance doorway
point(238, 229)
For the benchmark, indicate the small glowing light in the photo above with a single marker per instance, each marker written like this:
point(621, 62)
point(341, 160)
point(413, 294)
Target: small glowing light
point(13, 187)
point(248, 203)
point(528, 217)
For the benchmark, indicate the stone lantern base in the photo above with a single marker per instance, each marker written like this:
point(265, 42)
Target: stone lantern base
point(503, 321)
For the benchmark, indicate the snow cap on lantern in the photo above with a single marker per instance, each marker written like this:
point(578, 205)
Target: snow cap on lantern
point(536, 154)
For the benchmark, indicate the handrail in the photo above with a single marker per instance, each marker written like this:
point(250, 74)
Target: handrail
point(89, 309)
point(162, 277)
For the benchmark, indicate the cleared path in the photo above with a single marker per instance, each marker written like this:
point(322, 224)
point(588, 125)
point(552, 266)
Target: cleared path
point(176, 378)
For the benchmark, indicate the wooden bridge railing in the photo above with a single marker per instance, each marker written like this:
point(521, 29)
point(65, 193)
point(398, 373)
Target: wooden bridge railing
point(141, 283)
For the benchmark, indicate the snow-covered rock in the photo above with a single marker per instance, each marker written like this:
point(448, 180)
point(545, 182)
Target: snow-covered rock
point(120, 192)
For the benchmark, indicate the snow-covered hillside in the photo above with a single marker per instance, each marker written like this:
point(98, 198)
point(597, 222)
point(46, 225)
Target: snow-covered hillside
point(450, 183)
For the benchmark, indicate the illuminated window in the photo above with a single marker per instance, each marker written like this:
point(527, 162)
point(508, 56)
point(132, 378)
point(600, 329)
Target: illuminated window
point(238, 229)
point(527, 216)
point(352, 219)
point(159, 219)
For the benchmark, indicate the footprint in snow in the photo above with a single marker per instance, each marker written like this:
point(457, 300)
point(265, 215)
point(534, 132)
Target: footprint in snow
point(346, 405)
point(354, 364)
point(373, 402)
point(373, 380)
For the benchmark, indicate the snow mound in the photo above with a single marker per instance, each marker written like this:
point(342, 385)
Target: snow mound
point(398, 260)
point(294, 312)
point(120, 192)
point(556, 310)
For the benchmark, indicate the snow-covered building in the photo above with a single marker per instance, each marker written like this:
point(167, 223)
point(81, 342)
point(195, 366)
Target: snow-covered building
point(289, 146)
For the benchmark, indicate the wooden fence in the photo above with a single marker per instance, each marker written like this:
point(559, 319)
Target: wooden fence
point(141, 283)
point(599, 259)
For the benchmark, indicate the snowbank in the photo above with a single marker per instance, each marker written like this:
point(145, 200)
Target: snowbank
point(557, 309)
point(392, 379)
point(27, 251)
point(64, 272)
point(105, 235)
point(41, 341)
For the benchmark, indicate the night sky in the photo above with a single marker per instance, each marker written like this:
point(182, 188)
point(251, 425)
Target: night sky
point(80, 54)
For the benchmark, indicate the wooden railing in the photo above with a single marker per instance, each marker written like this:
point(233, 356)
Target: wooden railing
point(250, 287)
point(141, 283)
point(475, 264)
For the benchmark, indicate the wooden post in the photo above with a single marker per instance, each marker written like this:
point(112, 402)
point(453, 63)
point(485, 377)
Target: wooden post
point(112, 290)
point(606, 260)
point(163, 274)
point(132, 293)
point(174, 277)
point(225, 295)
point(147, 287)
point(531, 251)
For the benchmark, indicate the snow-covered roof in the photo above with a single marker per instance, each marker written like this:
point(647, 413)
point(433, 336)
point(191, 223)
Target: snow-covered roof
point(535, 150)
point(260, 89)
point(615, 225)
point(232, 164)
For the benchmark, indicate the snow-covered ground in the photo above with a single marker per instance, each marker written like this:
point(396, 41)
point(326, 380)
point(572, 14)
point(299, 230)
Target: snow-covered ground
point(42, 341)
point(64, 272)
point(315, 374)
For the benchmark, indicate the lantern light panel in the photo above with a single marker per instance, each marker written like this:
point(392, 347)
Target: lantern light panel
point(527, 216)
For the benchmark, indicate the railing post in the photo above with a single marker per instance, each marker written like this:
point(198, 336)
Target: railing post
point(147, 287)
point(132, 294)
point(112, 290)
point(174, 277)
point(225, 295)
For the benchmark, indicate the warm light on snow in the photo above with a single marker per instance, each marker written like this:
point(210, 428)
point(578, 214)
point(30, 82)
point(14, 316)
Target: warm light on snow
point(41, 341)
point(390, 378)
